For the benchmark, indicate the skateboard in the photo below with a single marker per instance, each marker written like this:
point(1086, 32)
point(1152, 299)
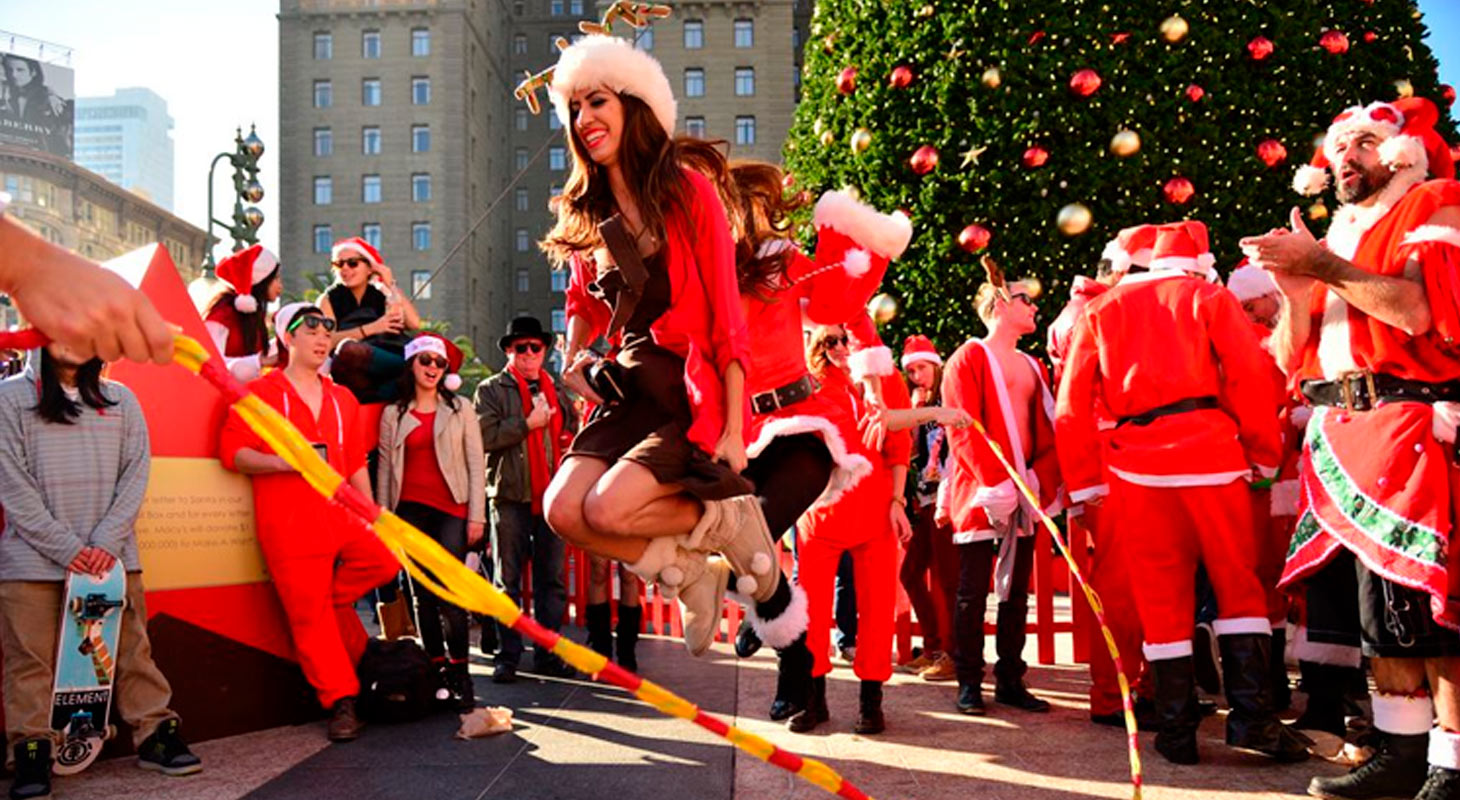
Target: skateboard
point(91, 625)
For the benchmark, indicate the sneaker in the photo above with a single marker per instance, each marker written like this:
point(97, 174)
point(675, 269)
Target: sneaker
point(941, 670)
point(847, 654)
point(970, 700)
point(922, 662)
point(32, 770)
point(1440, 784)
point(166, 752)
point(1017, 696)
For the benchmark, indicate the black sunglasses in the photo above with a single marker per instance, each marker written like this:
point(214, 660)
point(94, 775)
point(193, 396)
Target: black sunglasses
point(351, 262)
point(429, 360)
point(835, 341)
point(312, 321)
point(522, 348)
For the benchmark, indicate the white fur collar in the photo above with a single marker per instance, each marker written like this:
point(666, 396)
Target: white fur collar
point(1351, 222)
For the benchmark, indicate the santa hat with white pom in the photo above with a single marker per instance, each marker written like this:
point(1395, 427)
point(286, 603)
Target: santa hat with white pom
point(436, 343)
point(1408, 144)
point(244, 270)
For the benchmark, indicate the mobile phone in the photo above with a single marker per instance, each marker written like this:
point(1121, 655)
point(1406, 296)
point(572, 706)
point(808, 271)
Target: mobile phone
point(322, 449)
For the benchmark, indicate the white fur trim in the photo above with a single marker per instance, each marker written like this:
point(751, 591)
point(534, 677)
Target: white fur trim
point(913, 358)
point(885, 234)
point(1310, 180)
point(783, 630)
point(1336, 655)
point(1444, 749)
point(1403, 714)
point(998, 502)
point(1248, 282)
point(1360, 121)
point(871, 361)
point(452, 382)
point(1167, 651)
point(1266, 471)
point(1191, 479)
point(265, 263)
point(857, 262)
point(1119, 259)
point(597, 61)
point(1089, 493)
point(1192, 265)
point(1153, 275)
point(1242, 625)
point(1432, 233)
point(426, 344)
point(1283, 498)
point(244, 369)
point(245, 303)
point(1403, 152)
point(975, 535)
point(850, 468)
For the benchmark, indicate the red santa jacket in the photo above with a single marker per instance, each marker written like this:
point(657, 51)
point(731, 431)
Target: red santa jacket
point(1082, 291)
point(976, 490)
point(704, 324)
point(226, 329)
point(1155, 339)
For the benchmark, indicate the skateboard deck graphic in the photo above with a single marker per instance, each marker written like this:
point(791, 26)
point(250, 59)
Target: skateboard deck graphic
point(91, 626)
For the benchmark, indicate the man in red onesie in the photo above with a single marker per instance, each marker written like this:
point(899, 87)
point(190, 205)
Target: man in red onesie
point(1172, 359)
point(1367, 330)
point(321, 559)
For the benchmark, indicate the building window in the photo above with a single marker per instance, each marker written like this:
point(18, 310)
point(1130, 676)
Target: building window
point(370, 141)
point(519, 158)
point(745, 81)
point(519, 44)
point(694, 126)
point(745, 33)
point(554, 123)
point(694, 34)
point(370, 189)
point(575, 7)
point(557, 158)
point(553, 39)
point(420, 42)
point(324, 141)
point(421, 187)
point(370, 44)
point(370, 92)
point(555, 7)
point(555, 190)
point(560, 280)
point(694, 82)
point(420, 236)
point(523, 243)
point(745, 130)
point(324, 47)
point(560, 321)
point(324, 190)
point(522, 201)
point(420, 138)
point(524, 283)
point(519, 8)
point(420, 278)
point(322, 239)
point(420, 91)
point(370, 232)
point(644, 38)
point(324, 94)
point(519, 118)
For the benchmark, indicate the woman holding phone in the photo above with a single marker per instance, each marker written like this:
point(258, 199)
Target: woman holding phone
point(372, 317)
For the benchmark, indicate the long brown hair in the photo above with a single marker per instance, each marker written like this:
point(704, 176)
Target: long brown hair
point(652, 164)
point(252, 327)
point(761, 213)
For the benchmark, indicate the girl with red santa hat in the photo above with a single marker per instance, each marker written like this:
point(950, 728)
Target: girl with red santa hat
point(235, 317)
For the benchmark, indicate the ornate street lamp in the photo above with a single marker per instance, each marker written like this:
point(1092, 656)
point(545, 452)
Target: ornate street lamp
point(246, 220)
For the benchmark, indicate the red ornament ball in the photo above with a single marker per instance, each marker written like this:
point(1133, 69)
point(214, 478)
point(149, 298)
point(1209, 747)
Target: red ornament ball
point(1260, 48)
point(1119, 38)
point(1334, 42)
point(1369, 37)
point(924, 159)
point(974, 238)
point(1271, 152)
point(1178, 191)
point(1447, 94)
point(788, 180)
point(901, 77)
point(1195, 93)
point(1035, 157)
point(846, 82)
point(1036, 37)
point(1085, 82)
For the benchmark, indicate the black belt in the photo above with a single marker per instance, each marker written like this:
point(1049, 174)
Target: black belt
point(1178, 407)
point(793, 392)
point(1361, 391)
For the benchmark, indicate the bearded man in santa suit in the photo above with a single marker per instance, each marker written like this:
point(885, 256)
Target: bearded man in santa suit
point(1174, 362)
point(1368, 328)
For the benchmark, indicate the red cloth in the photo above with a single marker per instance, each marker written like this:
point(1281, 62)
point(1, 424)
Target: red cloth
point(705, 325)
point(539, 467)
point(223, 313)
point(1082, 291)
point(1110, 578)
point(421, 478)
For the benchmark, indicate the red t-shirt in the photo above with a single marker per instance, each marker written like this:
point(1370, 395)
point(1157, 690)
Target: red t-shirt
point(421, 478)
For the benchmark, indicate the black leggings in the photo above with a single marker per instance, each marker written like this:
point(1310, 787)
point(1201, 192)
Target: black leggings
point(434, 615)
point(789, 474)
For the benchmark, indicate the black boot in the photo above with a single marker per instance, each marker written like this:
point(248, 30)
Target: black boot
point(1175, 702)
point(870, 719)
point(1282, 691)
point(747, 641)
point(1324, 685)
point(1208, 671)
point(970, 699)
point(600, 628)
point(1441, 784)
point(793, 680)
point(487, 643)
point(815, 711)
point(32, 770)
point(1251, 724)
point(462, 689)
point(627, 633)
point(1397, 769)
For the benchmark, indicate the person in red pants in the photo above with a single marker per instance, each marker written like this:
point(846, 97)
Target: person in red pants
point(321, 560)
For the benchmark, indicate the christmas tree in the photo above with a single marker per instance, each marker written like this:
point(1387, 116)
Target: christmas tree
point(1033, 130)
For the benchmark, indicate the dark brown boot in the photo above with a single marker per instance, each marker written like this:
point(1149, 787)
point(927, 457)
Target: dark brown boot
point(344, 725)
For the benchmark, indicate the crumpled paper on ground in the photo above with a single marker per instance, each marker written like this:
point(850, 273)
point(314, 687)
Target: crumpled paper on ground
point(1339, 751)
point(485, 722)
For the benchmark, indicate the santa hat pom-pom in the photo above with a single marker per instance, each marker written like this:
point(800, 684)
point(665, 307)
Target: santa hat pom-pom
point(856, 262)
point(245, 303)
point(1206, 261)
point(1310, 180)
point(747, 585)
point(1402, 152)
point(452, 382)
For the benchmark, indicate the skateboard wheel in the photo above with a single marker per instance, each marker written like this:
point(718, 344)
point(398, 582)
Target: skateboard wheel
point(111, 732)
point(75, 605)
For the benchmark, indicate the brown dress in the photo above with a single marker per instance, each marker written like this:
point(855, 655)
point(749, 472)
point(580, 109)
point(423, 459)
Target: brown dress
point(650, 426)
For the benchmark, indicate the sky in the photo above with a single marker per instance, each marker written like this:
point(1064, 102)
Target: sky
point(217, 63)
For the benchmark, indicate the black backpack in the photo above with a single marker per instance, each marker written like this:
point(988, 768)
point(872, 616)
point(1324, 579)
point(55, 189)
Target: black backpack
point(398, 683)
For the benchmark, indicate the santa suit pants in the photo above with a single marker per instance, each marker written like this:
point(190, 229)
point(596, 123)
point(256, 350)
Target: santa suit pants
point(1274, 533)
point(318, 586)
point(1110, 578)
point(1180, 528)
point(874, 564)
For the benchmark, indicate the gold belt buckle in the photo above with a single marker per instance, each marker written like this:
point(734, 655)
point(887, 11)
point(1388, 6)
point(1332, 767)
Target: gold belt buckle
point(1346, 392)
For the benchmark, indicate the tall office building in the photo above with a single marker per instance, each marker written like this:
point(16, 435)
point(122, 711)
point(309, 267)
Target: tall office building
point(397, 122)
point(126, 138)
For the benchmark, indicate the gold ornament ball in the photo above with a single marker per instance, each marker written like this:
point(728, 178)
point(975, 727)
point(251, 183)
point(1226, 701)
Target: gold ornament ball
point(1074, 219)
point(1125, 143)
point(991, 78)
point(817, 126)
point(1174, 28)
point(852, 192)
point(1318, 211)
point(861, 140)
point(827, 138)
point(1404, 87)
point(883, 308)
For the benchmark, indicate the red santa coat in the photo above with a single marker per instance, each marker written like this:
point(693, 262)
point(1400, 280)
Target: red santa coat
point(977, 490)
point(1082, 291)
point(226, 328)
point(1392, 506)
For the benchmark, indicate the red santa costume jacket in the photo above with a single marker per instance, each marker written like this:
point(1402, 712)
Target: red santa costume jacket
point(1082, 291)
point(705, 324)
point(226, 329)
point(1391, 505)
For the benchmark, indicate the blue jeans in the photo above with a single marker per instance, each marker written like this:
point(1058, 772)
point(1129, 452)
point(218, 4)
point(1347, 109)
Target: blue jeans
point(519, 536)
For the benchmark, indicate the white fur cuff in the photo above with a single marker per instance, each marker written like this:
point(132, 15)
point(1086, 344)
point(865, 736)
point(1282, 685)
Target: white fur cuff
point(783, 630)
point(999, 502)
point(1167, 651)
point(1444, 748)
point(1403, 714)
point(1402, 152)
point(887, 234)
point(871, 361)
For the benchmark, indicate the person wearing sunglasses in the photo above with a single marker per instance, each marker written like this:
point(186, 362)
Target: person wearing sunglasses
point(321, 560)
point(373, 318)
point(525, 424)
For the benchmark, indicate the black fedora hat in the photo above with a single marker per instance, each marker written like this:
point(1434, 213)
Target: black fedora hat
point(525, 328)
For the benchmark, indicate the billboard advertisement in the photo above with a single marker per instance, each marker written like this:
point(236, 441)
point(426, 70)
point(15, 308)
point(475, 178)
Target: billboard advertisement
point(37, 104)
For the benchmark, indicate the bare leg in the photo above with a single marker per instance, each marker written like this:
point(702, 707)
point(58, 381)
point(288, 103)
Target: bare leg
point(629, 501)
point(630, 588)
point(564, 501)
point(1399, 676)
point(1444, 676)
point(598, 578)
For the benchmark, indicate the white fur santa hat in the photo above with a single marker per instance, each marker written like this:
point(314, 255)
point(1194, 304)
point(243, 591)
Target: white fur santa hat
point(1249, 282)
point(1183, 246)
point(244, 270)
point(1131, 247)
point(1408, 145)
point(851, 232)
point(608, 62)
point(436, 343)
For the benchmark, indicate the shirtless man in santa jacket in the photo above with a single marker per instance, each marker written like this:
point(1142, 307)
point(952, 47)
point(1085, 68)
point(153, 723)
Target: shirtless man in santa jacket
point(1175, 363)
point(1368, 329)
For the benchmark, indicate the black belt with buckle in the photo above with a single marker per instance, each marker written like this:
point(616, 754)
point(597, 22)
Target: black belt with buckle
point(1178, 407)
point(1362, 391)
point(793, 392)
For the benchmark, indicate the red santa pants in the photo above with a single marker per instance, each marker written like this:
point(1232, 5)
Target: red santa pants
point(874, 563)
point(318, 588)
point(1172, 530)
point(1274, 533)
point(1110, 578)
